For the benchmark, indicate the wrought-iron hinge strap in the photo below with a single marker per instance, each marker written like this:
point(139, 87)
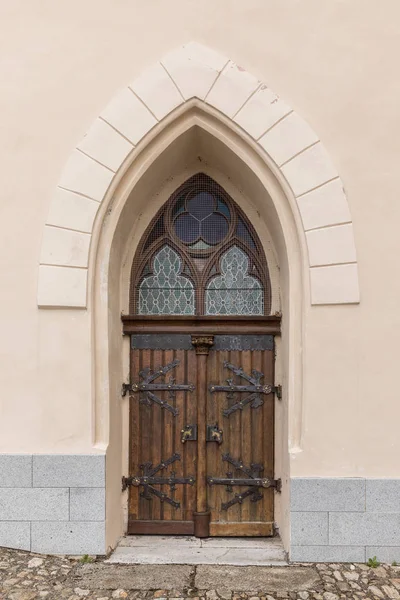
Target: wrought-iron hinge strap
point(264, 482)
point(252, 471)
point(146, 387)
point(255, 496)
point(149, 479)
point(256, 389)
point(171, 481)
point(253, 481)
point(260, 389)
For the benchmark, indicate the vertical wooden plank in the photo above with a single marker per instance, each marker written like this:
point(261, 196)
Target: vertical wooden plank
point(201, 504)
point(221, 402)
point(257, 438)
point(168, 443)
point(235, 440)
point(145, 412)
point(213, 450)
point(156, 440)
point(202, 345)
point(190, 450)
point(177, 425)
point(134, 435)
point(246, 434)
point(268, 434)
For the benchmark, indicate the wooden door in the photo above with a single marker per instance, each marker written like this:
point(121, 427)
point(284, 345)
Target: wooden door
point(165, 366)
point(241, 406)
point(201, 435)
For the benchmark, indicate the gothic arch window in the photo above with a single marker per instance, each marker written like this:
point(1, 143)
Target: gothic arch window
point(200, 256)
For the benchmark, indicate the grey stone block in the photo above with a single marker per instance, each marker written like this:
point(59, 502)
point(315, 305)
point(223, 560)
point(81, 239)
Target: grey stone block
point(14, 534)
point(309, 528)
point(364, 529)
point(384, 554)
point(15, 470)
point(68, 538)
point(95, 576)
point(34, 504)
point(327, 554)
point(260, 579)
point(69, 470)
point(342, 494)
point(383, 495)
point(87, 504)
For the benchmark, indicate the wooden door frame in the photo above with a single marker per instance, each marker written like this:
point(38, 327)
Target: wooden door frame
point(199, 326)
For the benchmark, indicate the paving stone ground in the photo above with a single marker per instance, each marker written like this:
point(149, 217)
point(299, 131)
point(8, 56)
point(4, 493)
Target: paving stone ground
point(26, 576)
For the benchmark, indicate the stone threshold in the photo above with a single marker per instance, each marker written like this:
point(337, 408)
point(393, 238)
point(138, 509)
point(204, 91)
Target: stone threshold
point(188, 550)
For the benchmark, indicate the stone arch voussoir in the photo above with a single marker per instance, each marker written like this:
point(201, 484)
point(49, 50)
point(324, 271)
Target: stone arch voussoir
point(196, 71)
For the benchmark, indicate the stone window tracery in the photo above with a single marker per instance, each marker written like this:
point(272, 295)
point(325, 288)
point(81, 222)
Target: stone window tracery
point(200, 256)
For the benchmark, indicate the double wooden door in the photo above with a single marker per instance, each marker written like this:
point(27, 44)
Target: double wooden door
point(202, 435)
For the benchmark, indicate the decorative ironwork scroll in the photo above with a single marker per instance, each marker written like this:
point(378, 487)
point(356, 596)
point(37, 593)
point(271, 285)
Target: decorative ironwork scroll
point(149, 479)
point(146, 387)
point(253, 481)
point(255, 387)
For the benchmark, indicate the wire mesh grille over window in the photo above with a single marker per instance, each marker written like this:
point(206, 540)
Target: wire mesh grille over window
point(200, 256)
point(166, 292)
point(234, 292)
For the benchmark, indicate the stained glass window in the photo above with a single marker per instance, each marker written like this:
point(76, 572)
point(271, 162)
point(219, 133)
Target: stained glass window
point(200, 256)
point(166, 292)
point(234, 292)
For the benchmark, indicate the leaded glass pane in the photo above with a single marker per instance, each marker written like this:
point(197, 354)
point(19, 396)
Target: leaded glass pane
point(234, 292)
point(200, 245)
point(167, 291)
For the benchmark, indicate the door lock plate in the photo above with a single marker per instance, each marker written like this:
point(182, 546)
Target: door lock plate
point(214, 434)
point(189, 433)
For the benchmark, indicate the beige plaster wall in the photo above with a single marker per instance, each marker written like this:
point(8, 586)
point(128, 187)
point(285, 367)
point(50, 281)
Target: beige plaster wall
point(335, 63)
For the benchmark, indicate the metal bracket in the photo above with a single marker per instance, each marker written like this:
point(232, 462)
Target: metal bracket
point(214, 434)
point(126, 387)
point(189, 433)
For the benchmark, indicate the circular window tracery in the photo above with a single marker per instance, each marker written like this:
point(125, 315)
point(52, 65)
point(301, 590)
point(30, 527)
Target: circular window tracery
point(202, 221)
point(200, 255)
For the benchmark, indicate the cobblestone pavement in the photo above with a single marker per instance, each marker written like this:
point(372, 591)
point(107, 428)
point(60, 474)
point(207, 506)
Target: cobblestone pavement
point(25, 576)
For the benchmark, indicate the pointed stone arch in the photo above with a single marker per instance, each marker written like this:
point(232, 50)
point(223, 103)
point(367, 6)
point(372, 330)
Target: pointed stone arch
point(194, 71)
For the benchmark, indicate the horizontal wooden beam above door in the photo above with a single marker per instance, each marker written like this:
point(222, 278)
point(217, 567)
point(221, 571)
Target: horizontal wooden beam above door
point(204, 325)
